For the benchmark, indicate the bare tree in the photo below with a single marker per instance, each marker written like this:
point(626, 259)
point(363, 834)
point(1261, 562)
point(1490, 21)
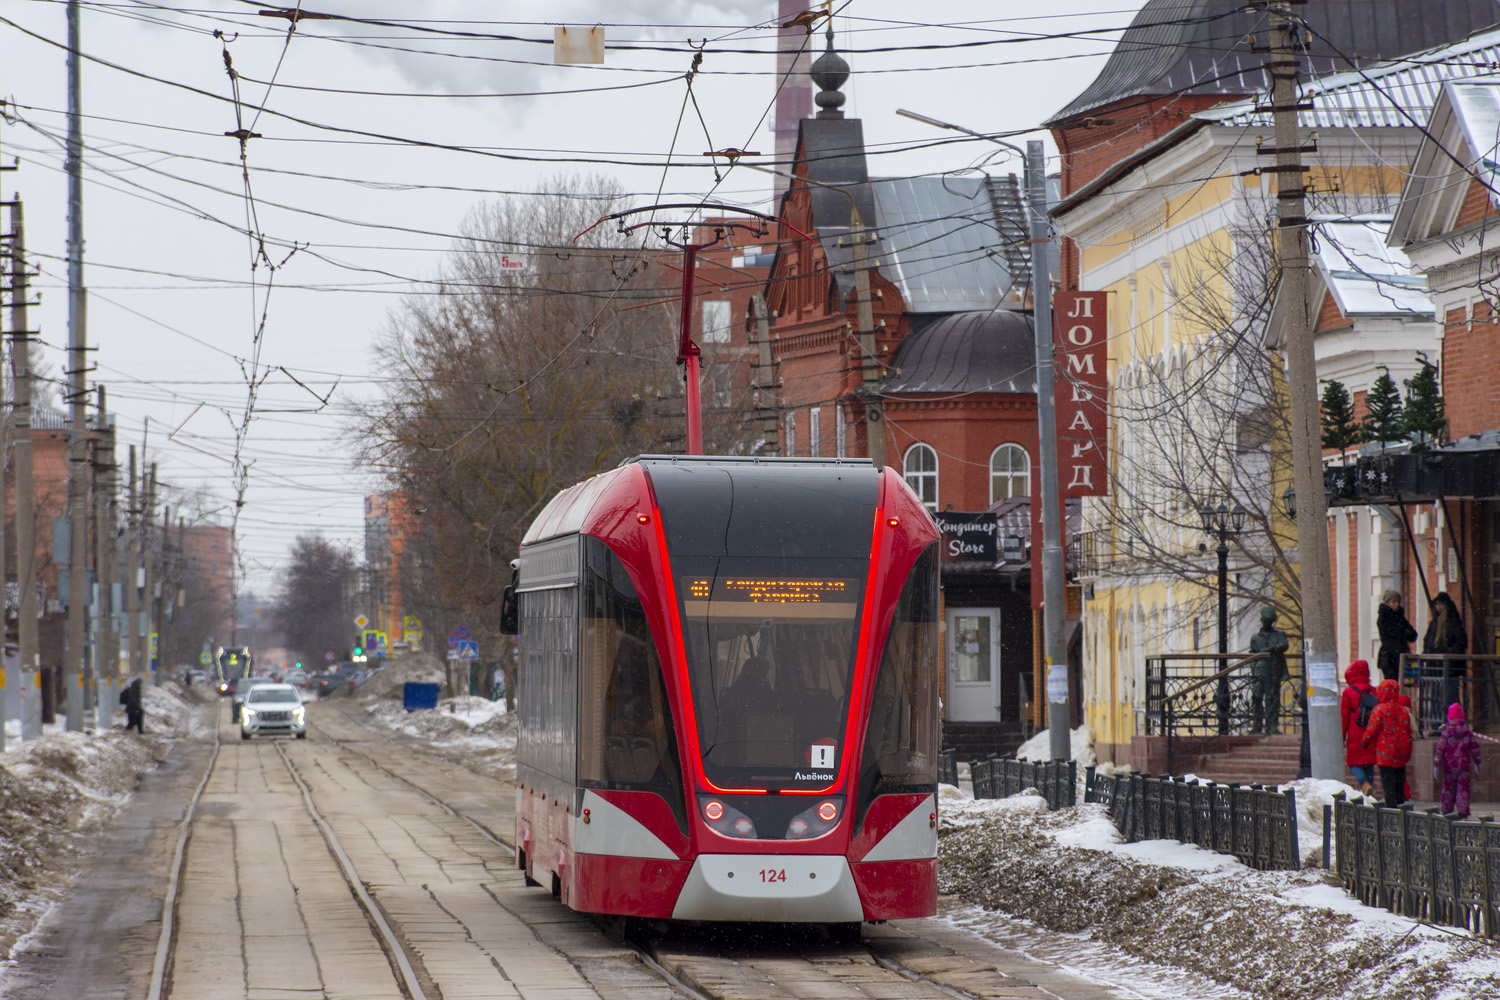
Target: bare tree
point(311, 611)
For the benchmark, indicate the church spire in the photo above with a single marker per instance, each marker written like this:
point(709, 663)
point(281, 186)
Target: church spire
point(829, 73)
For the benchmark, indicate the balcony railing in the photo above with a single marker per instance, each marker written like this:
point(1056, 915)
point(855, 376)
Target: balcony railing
point(1194, 698)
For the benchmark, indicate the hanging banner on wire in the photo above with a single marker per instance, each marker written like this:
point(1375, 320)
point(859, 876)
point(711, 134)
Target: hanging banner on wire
point(1080, 356)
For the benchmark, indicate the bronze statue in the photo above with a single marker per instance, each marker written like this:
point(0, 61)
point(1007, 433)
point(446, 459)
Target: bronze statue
point(1267, 673)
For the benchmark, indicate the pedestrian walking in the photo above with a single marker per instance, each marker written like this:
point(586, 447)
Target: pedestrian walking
point(1455, 760)
point(135, 714)
point(1445, 634)
point(1396, 635)
point(1389, 732)
point(1356, 705)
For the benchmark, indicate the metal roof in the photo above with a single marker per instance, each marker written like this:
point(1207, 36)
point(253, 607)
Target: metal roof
point(1476, 104)
point(834, 152)
point(985, 351)
point(1366, 277)
point(1376, 96)
point(1199, 46)
point(939, 243)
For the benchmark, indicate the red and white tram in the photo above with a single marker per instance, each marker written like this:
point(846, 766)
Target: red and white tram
point(727, 696)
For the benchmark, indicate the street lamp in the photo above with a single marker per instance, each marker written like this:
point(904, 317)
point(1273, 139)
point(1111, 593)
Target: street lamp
point(1054, 603)
point(1222, 522)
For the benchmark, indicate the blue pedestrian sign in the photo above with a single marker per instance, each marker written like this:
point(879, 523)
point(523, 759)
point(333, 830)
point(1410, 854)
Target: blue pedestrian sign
point(466, 649)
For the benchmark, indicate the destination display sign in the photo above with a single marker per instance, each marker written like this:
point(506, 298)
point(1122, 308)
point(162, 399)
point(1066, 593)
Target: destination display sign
point(780, 597)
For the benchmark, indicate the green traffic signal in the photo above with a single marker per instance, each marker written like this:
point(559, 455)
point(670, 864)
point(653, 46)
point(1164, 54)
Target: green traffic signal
point(358, 651)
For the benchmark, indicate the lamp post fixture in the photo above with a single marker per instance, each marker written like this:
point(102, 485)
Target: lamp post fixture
point(1222, 522)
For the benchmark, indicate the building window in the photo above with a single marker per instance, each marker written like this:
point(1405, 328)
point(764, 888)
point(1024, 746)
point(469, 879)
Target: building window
point(791, 435)
point(1010, 473)
point(815, 431)
point(840, 433)
point(716, 321)
point(921, 470)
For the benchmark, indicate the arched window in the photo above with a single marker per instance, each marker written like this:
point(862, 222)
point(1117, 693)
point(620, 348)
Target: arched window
point(1010, 472)
point(920, 469)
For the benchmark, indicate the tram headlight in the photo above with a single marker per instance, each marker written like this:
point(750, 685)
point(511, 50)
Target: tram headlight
point(726, 819)
point(816, 820)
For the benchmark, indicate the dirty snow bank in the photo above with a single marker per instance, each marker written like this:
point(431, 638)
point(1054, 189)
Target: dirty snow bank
point(478, 732)
point(1260, 934)
point(1039, 747)
point(59, 789)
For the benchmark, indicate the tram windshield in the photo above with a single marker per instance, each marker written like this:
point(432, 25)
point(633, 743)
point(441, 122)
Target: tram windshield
point(770, 566)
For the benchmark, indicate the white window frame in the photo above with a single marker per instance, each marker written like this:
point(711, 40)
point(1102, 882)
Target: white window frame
point(1010, 448)
point(791, 436)
point(921, 478)
point(716, 320)
point(840, 432)
point(815, 431)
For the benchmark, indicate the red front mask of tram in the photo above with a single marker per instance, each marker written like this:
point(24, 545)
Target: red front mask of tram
point(728, 693)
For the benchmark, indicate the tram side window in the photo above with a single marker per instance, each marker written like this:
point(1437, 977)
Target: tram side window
point(549, 681)
point(626, 736)
point(900, 752)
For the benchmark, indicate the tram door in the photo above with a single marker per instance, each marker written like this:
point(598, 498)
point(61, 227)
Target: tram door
point(973, 665)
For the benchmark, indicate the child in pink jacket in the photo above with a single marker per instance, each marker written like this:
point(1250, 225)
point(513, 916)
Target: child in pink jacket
point(1456, 759)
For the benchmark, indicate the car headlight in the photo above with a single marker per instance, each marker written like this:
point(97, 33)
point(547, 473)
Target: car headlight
point(248, 712)
point(299, 713)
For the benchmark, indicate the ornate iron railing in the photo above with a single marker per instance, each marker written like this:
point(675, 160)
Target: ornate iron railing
point(1424, 865)
point(1435, 680)
point(998, 778)
point(948, 767)
point(1254, 824)
point(1194, 698)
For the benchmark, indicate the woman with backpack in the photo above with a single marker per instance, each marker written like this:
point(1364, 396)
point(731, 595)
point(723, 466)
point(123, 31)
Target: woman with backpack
point(1389, 732)
point(1455, 759)
point(1356, 705)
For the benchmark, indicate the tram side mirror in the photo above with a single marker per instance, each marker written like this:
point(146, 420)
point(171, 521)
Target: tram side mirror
point(510, 611)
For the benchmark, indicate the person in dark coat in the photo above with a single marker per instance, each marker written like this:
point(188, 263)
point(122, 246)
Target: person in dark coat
point(1445, 634)
point(1396, 635)
point(135, 714)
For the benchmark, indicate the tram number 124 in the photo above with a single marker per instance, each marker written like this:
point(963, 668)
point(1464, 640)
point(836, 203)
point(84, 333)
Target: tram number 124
point(773, 874)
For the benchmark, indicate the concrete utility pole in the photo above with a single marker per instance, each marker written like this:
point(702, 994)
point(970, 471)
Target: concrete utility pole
point(73, 674)
point(106, 640)
point(869, 361)
point(133, 572)
point(148, 577)
point(1319, 651)
point(764, 377)
point(29, 660)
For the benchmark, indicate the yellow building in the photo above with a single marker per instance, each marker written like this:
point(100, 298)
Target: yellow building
point(1179, 231)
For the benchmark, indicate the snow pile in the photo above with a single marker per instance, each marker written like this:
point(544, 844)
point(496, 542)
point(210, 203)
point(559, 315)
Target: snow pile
point(468, 720)
point(1312, 795)
point(390, 681)
point(958, 810)
point(1258, 934)
point(1039, 747)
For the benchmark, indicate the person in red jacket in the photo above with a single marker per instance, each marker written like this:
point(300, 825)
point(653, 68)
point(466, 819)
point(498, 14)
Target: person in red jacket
point(1389, 732)
point(1356, 705)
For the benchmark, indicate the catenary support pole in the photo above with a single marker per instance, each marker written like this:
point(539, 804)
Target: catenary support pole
point(764, 378)
point(147, 624)
point(73, 667)
point(29, 662)
point(132, 571)
point(1054, 594)
point(1318, 647)
point(106, 640)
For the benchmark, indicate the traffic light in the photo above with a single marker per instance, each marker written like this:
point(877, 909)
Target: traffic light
point(299, 665)
point(358, 651)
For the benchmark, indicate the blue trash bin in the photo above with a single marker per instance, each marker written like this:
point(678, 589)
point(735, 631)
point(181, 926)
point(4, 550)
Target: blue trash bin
point(415, 696)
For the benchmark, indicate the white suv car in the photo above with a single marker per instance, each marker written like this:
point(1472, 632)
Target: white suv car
point(273, 708)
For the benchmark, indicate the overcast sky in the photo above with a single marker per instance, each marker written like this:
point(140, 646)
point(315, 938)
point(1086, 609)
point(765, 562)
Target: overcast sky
point(171, 306)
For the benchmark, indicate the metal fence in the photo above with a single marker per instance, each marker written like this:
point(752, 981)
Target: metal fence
point(948, 767)
point(1254, 824)
point(998, 778)
point(1425, 865)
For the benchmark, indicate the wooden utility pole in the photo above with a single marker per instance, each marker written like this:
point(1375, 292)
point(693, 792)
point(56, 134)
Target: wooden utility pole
point(765, 383)
point(133, 572)
point(869, 361)
point(20, 366)
point(1319, 649)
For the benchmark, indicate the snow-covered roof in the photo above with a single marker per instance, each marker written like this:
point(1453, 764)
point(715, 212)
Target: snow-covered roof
point(1364, 276)
point(1476, 105)
point(1376, 96)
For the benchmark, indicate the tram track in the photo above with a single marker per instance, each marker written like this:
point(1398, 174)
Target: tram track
point(685, 971)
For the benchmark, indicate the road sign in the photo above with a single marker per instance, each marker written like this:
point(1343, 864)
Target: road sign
point(371, 639)
point(205, 658)
point(329, 656)
point(458, 635)
point(465, 649)
point(361, 622)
